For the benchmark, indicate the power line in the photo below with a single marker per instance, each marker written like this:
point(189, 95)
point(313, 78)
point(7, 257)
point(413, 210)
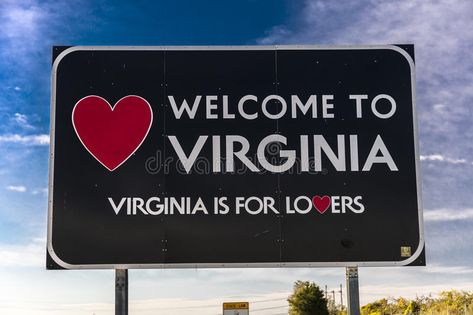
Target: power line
point(83, 307)
point(269, 300)
point(268, 308)
point(209, 305)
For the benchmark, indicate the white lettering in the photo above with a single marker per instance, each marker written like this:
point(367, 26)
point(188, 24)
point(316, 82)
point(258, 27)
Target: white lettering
point(118, 207)
point(242, 102)
point(280, 100)
point(289, 154)
point(211, 106)
point(385, 157)
point(187, 162)
point(320, 144)
point(304, 108)
point(184, 106)
point(375, 110)
point(358, 98)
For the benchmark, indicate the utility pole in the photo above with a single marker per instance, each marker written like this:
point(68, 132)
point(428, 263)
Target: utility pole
point(353, 294)
point(341, 297)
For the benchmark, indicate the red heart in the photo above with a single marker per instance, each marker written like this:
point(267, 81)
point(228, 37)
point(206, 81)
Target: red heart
point(112, 134)
point(321, 203)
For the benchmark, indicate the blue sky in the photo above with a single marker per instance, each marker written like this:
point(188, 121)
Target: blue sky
point(441, 31)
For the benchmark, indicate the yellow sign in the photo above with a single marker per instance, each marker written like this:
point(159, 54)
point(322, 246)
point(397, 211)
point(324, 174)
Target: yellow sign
point(236, 306)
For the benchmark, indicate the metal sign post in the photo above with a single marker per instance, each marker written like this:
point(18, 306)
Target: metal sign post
point(353, 294)
point(121, 291)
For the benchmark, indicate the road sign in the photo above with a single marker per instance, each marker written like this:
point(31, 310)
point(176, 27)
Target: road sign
point(234, 156)
point(236, 308)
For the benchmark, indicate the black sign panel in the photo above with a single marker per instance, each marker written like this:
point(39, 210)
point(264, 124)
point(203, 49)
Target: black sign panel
point(234, 156)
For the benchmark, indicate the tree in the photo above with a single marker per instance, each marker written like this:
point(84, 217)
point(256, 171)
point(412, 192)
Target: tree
point(307, 299)
point(401, 304)
point(456, 302)
point(413, 308)
point(448, 302)
point(376, 308)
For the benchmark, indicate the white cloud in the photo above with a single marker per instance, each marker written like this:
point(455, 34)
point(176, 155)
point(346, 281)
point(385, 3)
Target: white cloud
point(22, 121)
point(268, 303)
point(41, 139)
point(17, 188)
point(448, 214)
point(264, 304)
point(28, 29)
point(370, 293)
point(377, 283)
point(456, 270)
point(20, 21)
point(25, 255)
point(38, 191)
point(29, 26)
point(274, 35)
point(441, 158)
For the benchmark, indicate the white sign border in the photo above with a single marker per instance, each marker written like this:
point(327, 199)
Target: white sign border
point(66, 265)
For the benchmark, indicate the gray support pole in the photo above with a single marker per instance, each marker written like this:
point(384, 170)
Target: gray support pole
point(121, 292)
point(353, 294)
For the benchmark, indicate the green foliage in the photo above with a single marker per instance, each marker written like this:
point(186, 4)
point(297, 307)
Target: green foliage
point(379, 307)
point(456, 301)
point(307, 299)
point(447, 303)
point(413, 308)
